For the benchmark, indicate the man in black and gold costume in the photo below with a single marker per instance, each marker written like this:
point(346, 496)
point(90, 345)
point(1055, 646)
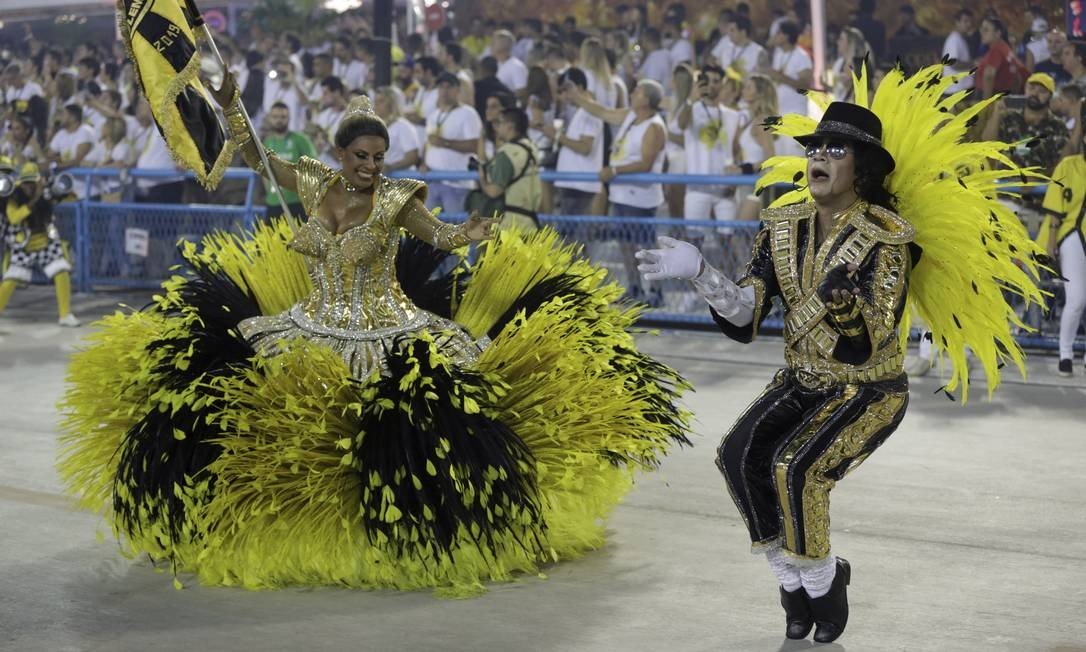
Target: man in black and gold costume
point(840, 265)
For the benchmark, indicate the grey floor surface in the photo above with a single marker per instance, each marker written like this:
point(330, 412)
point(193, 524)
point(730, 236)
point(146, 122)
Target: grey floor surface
point(966, 531)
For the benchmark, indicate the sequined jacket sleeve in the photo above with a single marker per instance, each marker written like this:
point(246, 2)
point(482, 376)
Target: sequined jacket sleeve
point(420, 223)
point(760, 276)
point(870, 322)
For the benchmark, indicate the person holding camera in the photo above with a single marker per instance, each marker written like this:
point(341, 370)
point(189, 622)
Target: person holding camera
point(284, 88)
point(31, 237)
point(708, 129)
point(509, 182)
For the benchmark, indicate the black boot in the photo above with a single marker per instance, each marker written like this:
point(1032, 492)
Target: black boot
point(830, 611)
point(797, 613)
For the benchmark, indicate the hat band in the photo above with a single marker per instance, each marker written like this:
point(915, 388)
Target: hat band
point(848, 130)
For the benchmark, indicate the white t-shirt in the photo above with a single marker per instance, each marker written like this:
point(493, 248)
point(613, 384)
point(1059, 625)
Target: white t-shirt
point(328, 119)
point(708, 141)
point(425, 104)
point(155, 156)
point(657, 66)
point(627, 149)
point(682, 50)
point(27, 91)
point(402, 138)
point(605, 91)
point(790, 100)
point(745, 58)
point(722, 51)
point(352, 74)
point(66, 142)
point(277, 92)
point(461, 123)
point(582, 124)
point(957, 48)
point(1039, 48)
point(513, 73)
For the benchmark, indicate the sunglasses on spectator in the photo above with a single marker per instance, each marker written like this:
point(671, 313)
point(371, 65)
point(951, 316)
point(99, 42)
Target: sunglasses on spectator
point(835, 149)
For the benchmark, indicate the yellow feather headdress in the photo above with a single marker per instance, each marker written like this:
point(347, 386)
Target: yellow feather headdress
point(975, 249)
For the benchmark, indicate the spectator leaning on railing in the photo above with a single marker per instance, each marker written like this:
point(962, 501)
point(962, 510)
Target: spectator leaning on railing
point(638, 147)
point(452, 135)
point(708, 129)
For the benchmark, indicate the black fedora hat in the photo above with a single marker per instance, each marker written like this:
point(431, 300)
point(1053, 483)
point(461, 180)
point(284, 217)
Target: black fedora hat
point(850, 122)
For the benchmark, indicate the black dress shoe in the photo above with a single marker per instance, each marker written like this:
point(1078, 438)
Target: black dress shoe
point(830, 612)
point(797, 613)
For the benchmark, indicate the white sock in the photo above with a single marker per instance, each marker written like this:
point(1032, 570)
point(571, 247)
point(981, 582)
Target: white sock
point(818, 578)
point(787, 574)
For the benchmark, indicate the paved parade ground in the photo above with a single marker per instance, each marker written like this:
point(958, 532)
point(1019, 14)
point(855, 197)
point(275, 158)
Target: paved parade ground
point(966, 531)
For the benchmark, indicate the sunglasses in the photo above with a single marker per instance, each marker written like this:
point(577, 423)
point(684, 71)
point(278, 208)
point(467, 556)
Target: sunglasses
point(834, 149)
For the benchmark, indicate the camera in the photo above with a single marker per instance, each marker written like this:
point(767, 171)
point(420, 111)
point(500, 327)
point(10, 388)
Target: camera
point(473, 163)
point(272, 74)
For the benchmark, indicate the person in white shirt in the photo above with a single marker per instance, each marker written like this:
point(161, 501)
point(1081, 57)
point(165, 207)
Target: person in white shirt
point(73, 141)
point(511, 71)
point(452, 58)
point(153, 154)
point(333, 106)
point(791, 68)
point(580, 147)
point(404, 147)
point(282, 86)
point(722, 50)
point(350, 70)
point(1037, 48)
point(746, 56)
point(17, 87)
point(322, 69)
point(452, 136)
point(638, 147)
point(528, 33)
point(679, 47)
point(425, 101)
point(656, 64)
point(956, 47)
point(708, 129)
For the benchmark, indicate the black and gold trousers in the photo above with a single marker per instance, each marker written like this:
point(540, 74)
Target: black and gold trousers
point(792, 445)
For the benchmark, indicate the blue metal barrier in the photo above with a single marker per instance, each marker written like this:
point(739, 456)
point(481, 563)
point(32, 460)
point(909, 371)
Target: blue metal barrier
point(96, 231)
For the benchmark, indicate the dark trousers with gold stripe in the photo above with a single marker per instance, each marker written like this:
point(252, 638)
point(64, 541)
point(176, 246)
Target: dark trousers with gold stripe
point(785, 453)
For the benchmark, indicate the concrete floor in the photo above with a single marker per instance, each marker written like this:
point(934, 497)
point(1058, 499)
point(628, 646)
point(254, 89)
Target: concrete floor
point(965, 532)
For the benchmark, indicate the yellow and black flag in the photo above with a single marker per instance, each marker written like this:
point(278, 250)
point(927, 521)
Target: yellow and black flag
point(161, 41)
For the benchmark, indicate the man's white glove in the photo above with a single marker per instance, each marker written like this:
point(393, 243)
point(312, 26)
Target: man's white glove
point(676, 259)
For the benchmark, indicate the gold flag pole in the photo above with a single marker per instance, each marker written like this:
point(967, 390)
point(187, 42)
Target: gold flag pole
point(198, 21)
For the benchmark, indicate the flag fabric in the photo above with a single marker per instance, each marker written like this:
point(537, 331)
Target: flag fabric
point(160, 38)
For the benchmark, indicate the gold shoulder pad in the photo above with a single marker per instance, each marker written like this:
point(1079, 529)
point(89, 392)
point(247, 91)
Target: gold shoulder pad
point(397, 192)
point(884, 225)
point(789, 212)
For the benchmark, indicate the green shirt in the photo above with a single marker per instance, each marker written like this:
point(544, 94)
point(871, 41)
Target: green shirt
point(290, 148)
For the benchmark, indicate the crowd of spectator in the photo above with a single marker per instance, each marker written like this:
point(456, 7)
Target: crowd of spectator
point(574, 85)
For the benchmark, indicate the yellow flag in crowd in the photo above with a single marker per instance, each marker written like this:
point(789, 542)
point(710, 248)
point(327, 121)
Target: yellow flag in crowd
point(161, 42)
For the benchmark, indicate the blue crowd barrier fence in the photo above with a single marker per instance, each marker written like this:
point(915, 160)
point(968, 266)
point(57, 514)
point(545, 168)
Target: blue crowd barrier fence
point(130, 244)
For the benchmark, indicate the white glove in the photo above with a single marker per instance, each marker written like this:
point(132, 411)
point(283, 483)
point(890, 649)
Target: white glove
point(677, 259)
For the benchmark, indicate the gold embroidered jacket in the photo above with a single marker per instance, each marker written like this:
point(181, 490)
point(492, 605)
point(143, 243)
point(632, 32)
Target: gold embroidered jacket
point(825, 347)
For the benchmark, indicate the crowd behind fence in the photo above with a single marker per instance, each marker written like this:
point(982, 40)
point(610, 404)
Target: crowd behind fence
point(134, 245)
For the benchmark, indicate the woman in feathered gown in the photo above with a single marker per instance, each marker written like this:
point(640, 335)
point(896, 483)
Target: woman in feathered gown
point(315, 407)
